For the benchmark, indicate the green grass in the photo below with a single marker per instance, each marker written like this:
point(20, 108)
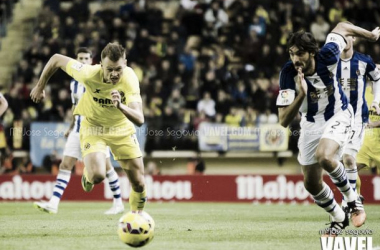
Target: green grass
point(190, 226)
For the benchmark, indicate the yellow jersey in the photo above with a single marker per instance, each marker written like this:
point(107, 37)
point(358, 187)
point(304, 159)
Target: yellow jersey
point(371, 135)
point(96, 104)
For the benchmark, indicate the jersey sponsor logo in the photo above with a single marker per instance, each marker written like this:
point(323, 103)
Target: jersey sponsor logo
point(102, 100)
point(345, 68)
point(321, 93)
point(350, 85)
point(316, 81)
point(87, 146)
point(358, 72)
point(106, 102)
point(77, 66)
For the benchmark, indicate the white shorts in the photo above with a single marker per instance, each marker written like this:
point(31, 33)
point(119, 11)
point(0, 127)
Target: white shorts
point(356, 138)
point(72, 147)
point(338, 129)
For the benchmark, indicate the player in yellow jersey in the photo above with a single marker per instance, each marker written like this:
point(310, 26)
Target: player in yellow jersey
point(369, 153)
point(112, 105)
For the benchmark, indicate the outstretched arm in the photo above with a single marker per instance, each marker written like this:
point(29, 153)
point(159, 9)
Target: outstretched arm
point(347, 29)
point(56, 61)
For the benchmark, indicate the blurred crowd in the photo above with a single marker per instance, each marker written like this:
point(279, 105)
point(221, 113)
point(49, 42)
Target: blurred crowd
point(6, 7)
point(206, 60)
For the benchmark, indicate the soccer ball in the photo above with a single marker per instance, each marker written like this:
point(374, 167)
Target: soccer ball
point(136, 229)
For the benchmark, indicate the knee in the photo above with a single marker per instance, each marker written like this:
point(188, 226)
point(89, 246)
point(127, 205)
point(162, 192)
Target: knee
point(349, 161)
point(65, 166)
point(324, 159)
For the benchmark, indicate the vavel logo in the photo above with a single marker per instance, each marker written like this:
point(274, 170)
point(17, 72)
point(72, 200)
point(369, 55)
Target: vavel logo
point(346, 243)
point(165, 190)
point(254, 188)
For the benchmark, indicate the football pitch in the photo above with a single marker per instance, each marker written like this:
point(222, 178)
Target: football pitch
point(193, 226)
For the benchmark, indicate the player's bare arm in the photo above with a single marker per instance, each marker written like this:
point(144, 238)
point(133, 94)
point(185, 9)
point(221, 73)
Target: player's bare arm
point(71, 124)
point(287, 114)
point(3, 104)
point(133, 111)
point(348, 29)
point(56, 61)
point(373, 124)
point(376, 94)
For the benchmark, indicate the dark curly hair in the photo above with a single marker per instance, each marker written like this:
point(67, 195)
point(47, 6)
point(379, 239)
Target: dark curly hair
point(304, 41)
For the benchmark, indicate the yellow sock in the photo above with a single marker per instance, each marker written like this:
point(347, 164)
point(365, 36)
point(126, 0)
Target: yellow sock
point(137, 200)
point(358, 184)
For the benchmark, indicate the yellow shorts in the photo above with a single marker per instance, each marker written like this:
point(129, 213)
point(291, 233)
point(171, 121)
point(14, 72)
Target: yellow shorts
point(123, 144)
point(368, 154)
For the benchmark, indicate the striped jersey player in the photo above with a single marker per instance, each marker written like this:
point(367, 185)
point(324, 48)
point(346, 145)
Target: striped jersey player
point(354, 69)
point(308, 85)
point(77, 90)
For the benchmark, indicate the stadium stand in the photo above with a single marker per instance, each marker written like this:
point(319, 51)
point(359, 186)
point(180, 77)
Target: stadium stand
point(180, 50)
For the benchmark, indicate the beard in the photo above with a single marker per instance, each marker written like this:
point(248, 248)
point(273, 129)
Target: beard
point(305, 66)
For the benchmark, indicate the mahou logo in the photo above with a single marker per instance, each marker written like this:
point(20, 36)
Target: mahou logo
point(17, 189)
point(158, 190)
point(254, 188)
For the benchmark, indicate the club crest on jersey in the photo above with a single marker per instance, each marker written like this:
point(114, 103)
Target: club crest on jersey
point(314, 97)
point(77, 66)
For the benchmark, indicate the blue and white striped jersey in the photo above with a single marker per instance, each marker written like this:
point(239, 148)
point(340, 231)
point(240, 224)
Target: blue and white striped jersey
point(325, 96)
point(77, 90)
point(352, 75)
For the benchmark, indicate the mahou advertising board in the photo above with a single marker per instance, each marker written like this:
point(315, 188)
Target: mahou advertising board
point(197, 188)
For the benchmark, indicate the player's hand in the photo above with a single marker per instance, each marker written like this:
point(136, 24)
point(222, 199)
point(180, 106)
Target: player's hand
point(68, 132)
point(372, 125)
point(375, 105)
point(37, 94)
point(116, 98)
point(301, 81)
point(376, 33)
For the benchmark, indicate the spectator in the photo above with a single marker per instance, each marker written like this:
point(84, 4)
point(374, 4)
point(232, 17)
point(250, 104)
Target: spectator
point(207, 105)
point(319, 28)
point(223, 103)
point(234, 119)
point(199, 49)
point(176, 102)
point(216, 15)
